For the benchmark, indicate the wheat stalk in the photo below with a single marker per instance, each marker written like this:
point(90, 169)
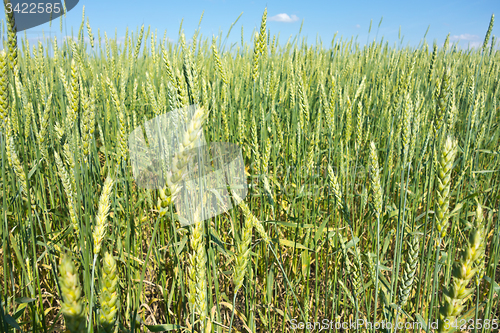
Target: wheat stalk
point(241, 258)
point(375, 180)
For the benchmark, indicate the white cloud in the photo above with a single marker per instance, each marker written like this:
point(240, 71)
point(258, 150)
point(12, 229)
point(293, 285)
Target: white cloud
point(475, 44)
point(284, 18)
point(464, 37)
point(358, 26)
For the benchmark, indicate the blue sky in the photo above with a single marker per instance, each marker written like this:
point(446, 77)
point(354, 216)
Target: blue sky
point(464, 20)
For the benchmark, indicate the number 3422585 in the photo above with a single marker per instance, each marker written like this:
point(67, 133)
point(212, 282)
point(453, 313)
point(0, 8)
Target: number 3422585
point(34, 8)
point(472, 324)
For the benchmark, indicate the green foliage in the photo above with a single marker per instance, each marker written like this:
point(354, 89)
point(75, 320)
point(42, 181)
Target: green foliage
point(350, 152)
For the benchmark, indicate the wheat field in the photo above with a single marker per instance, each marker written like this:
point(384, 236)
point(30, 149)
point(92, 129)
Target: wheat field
point(373, 185)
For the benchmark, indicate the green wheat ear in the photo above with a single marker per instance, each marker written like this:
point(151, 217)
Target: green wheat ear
point(488, 33)
point(445, 165)
point(242, 256)
point(454, 296)
point(4, 89)
point(410, 269)
point(72, 306)
point(110, 302)
point(11, 37)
